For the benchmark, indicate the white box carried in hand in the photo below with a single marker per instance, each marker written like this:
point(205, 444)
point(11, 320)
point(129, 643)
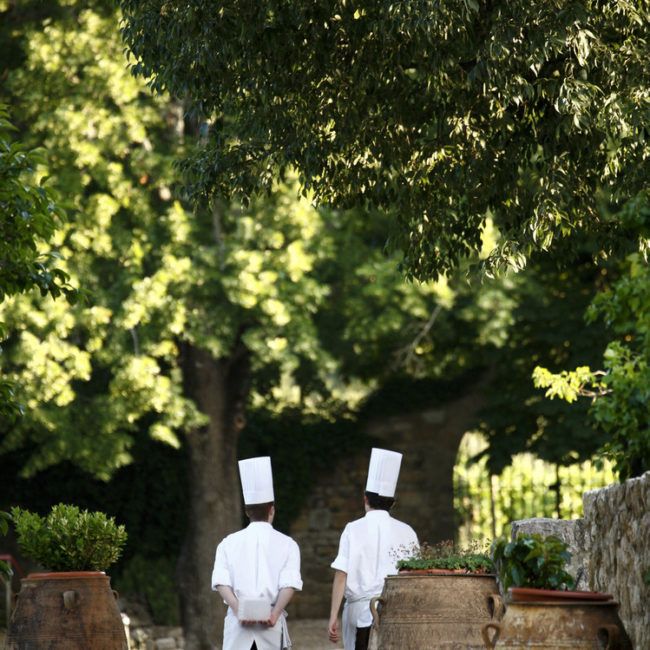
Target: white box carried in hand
point(254, 609)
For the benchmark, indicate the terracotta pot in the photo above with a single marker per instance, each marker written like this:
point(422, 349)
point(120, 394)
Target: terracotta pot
point(66, 611)
point(579, 625)
point(527, 594)
point(422, 612)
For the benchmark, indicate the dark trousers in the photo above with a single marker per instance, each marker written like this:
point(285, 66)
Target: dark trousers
point(363, 636)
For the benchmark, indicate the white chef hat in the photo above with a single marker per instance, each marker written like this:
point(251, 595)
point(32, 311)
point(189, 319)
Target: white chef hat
point(383, 472)
point(256, 480)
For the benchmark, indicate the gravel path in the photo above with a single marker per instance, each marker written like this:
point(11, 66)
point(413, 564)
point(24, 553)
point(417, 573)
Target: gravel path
point(310, 634)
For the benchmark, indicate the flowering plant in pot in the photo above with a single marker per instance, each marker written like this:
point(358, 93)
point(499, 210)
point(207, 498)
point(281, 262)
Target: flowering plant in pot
point(72, 605)
point(446, 557)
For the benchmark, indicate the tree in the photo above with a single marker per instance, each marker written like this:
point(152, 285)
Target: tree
point(440, 114)
point(29, 216)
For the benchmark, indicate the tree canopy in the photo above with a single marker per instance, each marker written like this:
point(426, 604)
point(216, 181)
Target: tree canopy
point(440, 114)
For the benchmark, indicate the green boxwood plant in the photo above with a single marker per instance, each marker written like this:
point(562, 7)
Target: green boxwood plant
point(69, 539)
point(446, 555)
point(532, 561)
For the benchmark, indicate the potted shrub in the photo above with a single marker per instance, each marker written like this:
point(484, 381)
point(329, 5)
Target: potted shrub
point(542, 609)
point(71, 605)
point(441, 597)
point(531, 563)
point(446, 557)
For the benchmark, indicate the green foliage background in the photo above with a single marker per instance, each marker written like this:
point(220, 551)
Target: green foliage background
point(619, 391)
point(485, 503)
point(29, 215)
point(333, 333)
point(444, 116)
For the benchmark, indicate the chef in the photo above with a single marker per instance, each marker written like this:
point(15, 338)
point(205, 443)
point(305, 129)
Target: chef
point(369, 550)
point(257, 569)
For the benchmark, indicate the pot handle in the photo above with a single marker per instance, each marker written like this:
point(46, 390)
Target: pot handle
point(609, 636)
point(496, 607)
point(491, 643)
point(116, 594)
point(71, 599)
point(376, 600)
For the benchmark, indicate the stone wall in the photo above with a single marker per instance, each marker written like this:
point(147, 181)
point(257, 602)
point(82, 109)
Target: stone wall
point(617, 527)
point(429, 441)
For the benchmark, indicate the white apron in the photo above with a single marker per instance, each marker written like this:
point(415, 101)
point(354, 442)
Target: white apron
point(353, 610)
point(241, 637)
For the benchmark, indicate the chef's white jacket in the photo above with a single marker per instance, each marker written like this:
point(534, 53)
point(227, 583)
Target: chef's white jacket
point(256, 562)
point(369, 550)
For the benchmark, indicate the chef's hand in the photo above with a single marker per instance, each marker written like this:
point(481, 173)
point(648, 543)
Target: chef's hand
point(273, 619)
point(333, 630)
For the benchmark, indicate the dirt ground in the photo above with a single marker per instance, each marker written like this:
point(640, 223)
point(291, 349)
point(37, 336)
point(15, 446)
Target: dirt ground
point(306, 634)
point(310, 634)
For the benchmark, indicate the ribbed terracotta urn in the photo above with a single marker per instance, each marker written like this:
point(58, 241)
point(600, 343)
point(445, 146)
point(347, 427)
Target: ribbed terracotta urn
point(572, 624)
point(66, 611)
point(424, 612)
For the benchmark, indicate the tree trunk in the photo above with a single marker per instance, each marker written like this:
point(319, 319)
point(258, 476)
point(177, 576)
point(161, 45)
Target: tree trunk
point(219, 388)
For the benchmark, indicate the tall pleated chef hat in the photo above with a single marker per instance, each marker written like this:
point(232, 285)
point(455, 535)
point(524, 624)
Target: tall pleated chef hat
point(256, 480)
point(383, 472)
